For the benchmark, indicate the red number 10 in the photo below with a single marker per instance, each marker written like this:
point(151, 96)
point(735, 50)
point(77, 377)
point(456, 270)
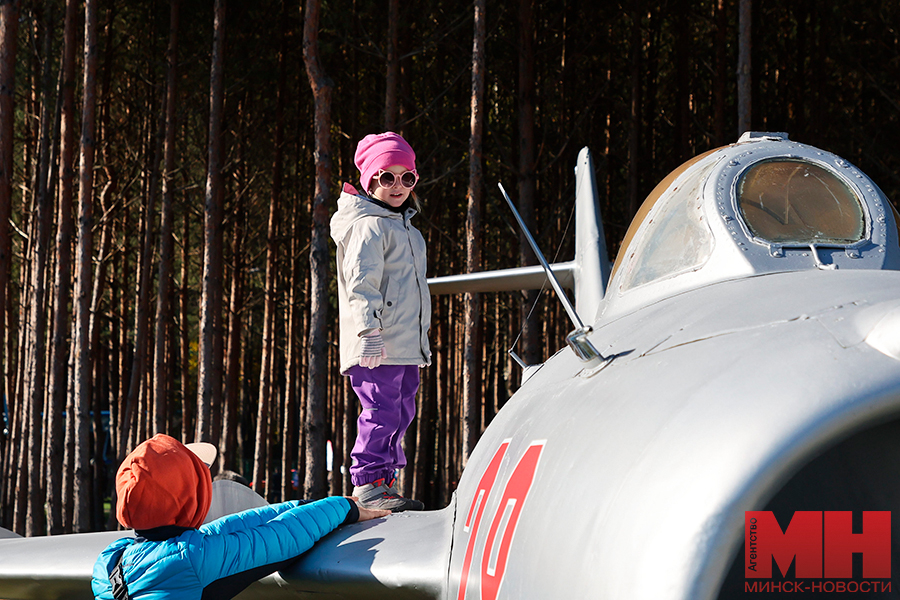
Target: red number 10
point(496, 549)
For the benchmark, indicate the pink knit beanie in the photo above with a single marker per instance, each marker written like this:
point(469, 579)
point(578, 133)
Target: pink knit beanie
point(380, 151)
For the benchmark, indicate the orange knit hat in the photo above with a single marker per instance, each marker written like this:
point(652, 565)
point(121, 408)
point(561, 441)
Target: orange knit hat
point(160, 483)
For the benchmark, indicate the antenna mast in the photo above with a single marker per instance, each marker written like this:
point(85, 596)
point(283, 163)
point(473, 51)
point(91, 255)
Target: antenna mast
point(578, 339)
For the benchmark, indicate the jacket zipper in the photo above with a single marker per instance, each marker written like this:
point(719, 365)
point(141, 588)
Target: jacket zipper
point(418, 285)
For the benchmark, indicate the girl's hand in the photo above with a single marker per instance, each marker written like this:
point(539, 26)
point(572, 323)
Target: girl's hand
point(372, 352)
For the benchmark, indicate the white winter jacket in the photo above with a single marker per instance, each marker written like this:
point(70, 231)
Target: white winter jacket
point(381, 280)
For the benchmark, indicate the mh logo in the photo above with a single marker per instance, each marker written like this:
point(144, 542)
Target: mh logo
point(820, 543)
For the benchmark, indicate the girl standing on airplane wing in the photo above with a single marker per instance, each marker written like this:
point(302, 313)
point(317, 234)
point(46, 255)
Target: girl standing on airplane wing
point(385, 311)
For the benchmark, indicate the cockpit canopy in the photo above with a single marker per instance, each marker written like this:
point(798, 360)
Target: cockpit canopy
point(680, 239)
point(763, 205)
point(794, 202)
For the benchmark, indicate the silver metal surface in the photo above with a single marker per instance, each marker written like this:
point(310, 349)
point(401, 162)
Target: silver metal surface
point(504, 280)
point(591, 256)
point(401, 556)
point(649, 465)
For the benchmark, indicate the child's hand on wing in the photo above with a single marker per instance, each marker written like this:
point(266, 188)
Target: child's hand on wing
point(366, 514)
point(372, 513)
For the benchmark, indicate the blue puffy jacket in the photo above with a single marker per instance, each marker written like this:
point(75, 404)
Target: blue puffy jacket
point(182, 566)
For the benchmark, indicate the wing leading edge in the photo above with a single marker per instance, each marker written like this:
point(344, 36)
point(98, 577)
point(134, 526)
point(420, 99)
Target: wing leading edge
point(401, 556)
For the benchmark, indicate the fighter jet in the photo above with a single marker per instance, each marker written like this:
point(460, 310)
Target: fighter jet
point(742, 353)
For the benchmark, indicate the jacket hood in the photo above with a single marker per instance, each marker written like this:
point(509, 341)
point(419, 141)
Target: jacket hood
point(162, 482)
point(353, 206)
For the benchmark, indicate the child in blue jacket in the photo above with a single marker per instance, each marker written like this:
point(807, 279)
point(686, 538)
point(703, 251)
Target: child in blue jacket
point(164, 492)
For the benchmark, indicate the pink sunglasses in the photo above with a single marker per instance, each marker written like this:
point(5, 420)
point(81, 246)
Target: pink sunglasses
point(388, 179)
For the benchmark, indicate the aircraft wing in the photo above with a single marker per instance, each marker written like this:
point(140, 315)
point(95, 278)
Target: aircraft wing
point(503, 280)
point(401, 556)
point(54, 567)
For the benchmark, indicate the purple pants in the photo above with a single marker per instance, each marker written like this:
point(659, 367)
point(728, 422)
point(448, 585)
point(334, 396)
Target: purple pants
point(388, 397)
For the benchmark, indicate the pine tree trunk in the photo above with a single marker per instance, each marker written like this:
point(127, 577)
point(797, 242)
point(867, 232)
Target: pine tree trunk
point(36, 320)
point(136, 387)
point(209, 389)
point(270, 307)
point(392, 83)
point(287, 423)
point(106, 239)
point(232, 391)
point(120, 333)
point(260, 481)
point(99, 356)
point(302, 387)
point(721, 77)
point(526, 175)
point(473, 324)
point(348, 432)
point(161, 367)
point(82, 297)
point(316, 403)
point(745, 68)
point(683, 62)
point(443, 365)
point(9, 36)
point(336, 414)
point(290, 439)
point(422, 482)
point(634, 126)
point(63, 281)
point(188, 405)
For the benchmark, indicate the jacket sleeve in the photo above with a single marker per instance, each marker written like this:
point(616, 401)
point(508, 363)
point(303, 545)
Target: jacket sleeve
point(262, 541)
point(245, 519)
point(363, 268)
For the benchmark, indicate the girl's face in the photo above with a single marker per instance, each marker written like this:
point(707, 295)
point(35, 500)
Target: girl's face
point(395, 195)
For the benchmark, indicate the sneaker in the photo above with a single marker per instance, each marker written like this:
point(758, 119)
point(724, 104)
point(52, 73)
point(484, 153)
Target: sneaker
point(378, 494)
